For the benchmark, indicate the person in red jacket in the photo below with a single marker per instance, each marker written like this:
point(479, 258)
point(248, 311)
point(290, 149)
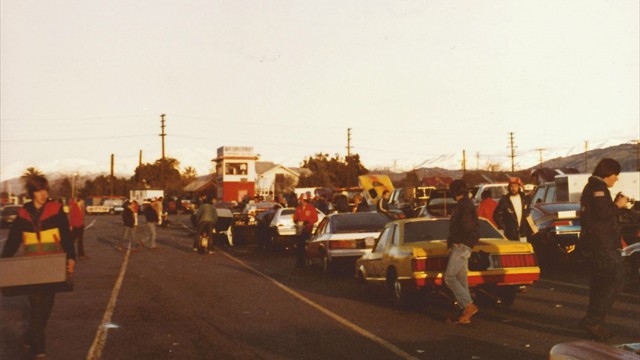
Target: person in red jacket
point(76, 220)
point(43, 229)
point(487, 207)
point(305, 217)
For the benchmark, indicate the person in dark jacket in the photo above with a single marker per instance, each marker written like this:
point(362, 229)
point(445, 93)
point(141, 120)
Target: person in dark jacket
point(602, 234)
point(512, 211)
point(152, 217)
point(383, 204)
point(42, 227)
point(359, 204)
point(129, 222)
point(206, 219)
point(463, 235)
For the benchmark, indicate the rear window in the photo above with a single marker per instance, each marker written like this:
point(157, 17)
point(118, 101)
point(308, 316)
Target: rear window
point(287, 212)
point(366, 222)
point(439, 230)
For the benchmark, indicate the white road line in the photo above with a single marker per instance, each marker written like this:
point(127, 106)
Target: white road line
point(99, 342)
point(90, 225)
point(389, 346)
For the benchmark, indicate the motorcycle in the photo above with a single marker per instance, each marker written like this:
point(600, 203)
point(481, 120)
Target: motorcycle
point(205, 242)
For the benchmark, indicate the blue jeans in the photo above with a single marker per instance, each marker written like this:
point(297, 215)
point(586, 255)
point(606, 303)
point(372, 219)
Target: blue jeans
point(152, 233)
point(456, 274)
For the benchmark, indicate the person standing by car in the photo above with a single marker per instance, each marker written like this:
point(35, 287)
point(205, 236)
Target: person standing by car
point(206, 220)
point(511, 213)
point(304, 217)
point(383, 204)
point(487, 206)
point(43, 228)
point(602, 234)
point(463, 235)
point(76, 220)
point(359, 204)
point(151, 215)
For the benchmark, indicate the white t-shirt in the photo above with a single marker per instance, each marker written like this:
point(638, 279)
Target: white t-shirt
point(516, 200)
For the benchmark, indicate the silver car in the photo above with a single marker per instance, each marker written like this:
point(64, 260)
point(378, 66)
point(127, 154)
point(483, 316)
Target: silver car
point(344, 237)
point(283, 229)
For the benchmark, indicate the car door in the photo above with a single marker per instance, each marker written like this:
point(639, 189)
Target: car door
point(375, 266)
point(319, 239)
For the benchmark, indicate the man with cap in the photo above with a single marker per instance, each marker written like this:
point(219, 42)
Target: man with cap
point(511, 213)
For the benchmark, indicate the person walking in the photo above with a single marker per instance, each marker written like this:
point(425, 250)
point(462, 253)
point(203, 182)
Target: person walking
point(601, 233)
point(463, 235)
point(512, 211)
point(42, 227)
point(304, 217)
point(129, 231)
point(206, 219)
point(76, 221)
point(151, 216)
point(487, 207)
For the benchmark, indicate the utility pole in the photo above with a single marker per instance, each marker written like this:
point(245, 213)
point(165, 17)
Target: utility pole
point(478, 160)
point(540, 156)
point(162, 134)
point(140, 159)
point(637, 142)
point(586, 159)
point(513, 153)
point(348, 142)
point(464, 163)
point(111, 179)
point(348, 159)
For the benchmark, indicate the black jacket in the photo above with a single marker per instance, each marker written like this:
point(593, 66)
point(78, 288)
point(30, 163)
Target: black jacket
point(463, 228)
point(505, 217)
point(150, 214)
point(599, 217)
point(127, 217)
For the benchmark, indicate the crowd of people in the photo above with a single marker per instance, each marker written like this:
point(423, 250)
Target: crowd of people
point(44, 228)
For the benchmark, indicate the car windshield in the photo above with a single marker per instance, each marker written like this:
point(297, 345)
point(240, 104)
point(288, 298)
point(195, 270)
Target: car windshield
point(364, 222)
point(439, 230)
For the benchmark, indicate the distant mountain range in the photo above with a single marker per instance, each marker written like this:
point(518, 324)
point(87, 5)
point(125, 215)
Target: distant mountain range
point(626, 154)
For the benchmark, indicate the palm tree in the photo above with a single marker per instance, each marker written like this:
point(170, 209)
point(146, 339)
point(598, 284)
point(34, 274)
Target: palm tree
point(30, 173)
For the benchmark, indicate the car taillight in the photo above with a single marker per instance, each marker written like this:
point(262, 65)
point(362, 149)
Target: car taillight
point(342, 244)
point(517, 260)
point(562, 223)
point(429, 264)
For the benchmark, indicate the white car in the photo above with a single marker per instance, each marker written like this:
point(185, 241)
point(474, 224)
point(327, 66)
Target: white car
point(344, 237)
point(283, 229)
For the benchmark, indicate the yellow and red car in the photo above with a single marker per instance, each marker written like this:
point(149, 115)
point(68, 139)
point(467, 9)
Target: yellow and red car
point(412, 254)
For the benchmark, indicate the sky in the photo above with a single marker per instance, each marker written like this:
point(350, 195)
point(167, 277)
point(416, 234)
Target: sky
point(417, 82)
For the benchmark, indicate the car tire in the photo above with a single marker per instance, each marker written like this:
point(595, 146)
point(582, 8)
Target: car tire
point(361, 282)
point(397, 289)
point(327, 267)
point(507, 294)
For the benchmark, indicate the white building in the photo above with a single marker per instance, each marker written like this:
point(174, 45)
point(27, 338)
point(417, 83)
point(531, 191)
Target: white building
point(272, 178)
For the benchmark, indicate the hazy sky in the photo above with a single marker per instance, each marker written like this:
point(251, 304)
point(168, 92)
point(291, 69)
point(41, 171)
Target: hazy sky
point(415, 81)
